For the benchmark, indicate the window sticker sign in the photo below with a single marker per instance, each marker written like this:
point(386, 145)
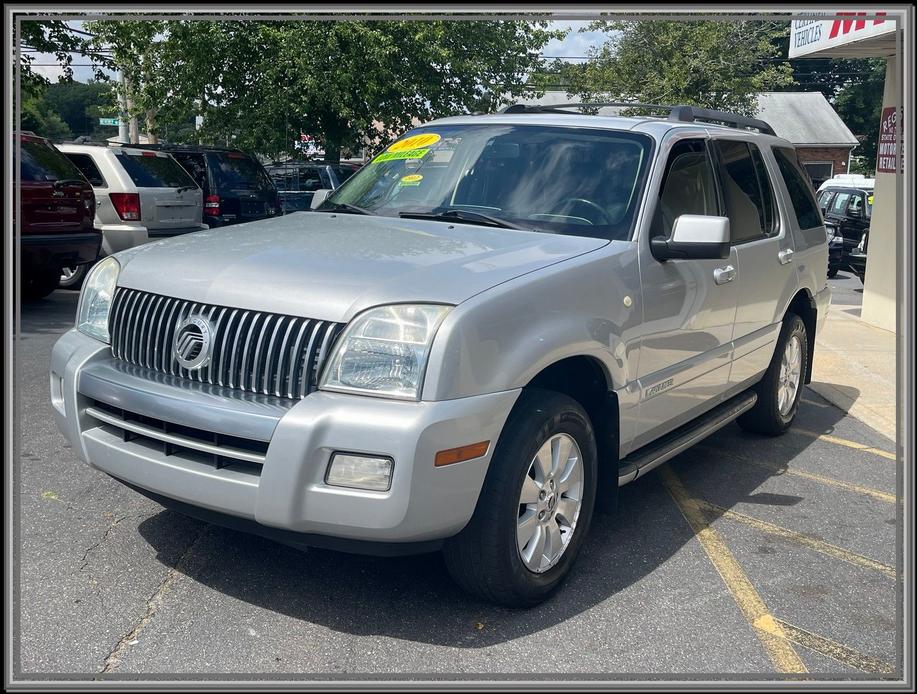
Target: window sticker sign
point(887, 161)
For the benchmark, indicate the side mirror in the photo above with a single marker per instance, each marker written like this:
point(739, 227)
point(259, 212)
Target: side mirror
point(318, 197)
point(694, 236)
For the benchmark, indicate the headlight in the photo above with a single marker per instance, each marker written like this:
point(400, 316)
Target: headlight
point(95, 299)
point(830, 231)
point(384, 351)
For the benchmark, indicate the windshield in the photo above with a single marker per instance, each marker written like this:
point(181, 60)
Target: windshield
point(563, 180)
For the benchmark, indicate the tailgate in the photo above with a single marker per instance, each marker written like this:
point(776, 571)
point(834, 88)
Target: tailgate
point(169, 208)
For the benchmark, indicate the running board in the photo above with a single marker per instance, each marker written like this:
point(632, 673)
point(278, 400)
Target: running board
point(654, 454)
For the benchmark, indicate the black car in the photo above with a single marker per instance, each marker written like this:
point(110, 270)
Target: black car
point(297, 181)
point(235, 184)
point(848, 214)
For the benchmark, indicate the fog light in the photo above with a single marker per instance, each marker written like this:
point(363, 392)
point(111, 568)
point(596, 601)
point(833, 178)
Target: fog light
point(360, 472)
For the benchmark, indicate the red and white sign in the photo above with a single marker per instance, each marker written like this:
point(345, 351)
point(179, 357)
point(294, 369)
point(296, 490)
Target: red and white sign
point(887, 161)
point(809, 36)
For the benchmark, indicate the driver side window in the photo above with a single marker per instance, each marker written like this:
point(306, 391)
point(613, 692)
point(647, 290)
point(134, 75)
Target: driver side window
point(688, 187)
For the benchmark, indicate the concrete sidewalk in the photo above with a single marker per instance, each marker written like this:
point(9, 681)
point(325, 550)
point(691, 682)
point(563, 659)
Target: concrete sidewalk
point(855, 369)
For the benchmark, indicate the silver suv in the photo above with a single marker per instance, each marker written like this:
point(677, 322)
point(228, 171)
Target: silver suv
point(496, 322)
point(140, 196)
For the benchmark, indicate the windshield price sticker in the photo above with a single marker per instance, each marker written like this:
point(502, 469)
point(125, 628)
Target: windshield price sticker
point(415, 142)
point(410, 180)
point(409, 154)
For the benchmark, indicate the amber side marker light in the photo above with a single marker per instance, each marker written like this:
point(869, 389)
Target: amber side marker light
point(461, 454)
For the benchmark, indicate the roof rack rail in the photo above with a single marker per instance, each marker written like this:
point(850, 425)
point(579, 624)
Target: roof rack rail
point(692, 114)
point(558, 108)
point(681, 113)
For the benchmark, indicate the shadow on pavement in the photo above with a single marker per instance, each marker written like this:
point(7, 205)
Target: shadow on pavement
point(52, 315)
point(413, 598)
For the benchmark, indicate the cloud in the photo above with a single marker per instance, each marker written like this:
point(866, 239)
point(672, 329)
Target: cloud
point(576, 43)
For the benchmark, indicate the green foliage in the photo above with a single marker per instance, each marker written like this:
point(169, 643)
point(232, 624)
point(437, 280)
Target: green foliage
point(42, 121)
point(81, 104)
point(713, 64)
point(259, 84)
point(52, 36)
point(859, 104)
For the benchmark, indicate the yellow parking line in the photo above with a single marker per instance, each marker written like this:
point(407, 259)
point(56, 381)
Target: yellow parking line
point(847, 443)
point(817, 404)
point(831, 649)
point(801, 539)
point(821, 479)
point(778, 648)
point(828, 481)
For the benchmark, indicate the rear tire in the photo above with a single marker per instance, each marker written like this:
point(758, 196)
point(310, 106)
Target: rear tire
point(488, 557)
point(72, 277)
point(780, 389)
point(832, 273)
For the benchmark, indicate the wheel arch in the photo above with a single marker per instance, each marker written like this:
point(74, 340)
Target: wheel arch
point(586, 379)
point(803, 305)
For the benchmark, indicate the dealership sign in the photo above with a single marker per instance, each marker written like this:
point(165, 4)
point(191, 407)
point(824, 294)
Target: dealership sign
point(887, 161)
point(813, 35)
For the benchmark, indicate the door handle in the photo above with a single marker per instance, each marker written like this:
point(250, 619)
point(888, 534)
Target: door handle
point(722, 275)
point(785, 256)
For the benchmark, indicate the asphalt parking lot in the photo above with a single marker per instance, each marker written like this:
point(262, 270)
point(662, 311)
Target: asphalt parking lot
point(745, 556)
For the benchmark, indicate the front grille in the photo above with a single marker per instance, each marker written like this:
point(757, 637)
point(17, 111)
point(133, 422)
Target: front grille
point(253, 351)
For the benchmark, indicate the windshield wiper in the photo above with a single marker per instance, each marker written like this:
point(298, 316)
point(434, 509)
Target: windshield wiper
point(341, 207)
point(182, 189)
point(464, 216)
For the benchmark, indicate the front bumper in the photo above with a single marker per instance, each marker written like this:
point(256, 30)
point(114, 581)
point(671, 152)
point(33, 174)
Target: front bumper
point(287, 491)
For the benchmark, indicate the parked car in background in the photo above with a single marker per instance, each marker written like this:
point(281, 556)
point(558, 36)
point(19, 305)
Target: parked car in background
point(856, 260)
point(297, 181)
point(235, 184)
point(847, 211)
point(141, 196)
point(849, 181)
point(497, 321)
point(56, 211)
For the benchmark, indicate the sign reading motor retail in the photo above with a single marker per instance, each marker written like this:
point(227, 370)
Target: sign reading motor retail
point(887, 161)
point(814, 35)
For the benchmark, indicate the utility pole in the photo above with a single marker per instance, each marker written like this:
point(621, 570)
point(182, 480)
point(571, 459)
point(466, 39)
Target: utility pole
point(123, 135)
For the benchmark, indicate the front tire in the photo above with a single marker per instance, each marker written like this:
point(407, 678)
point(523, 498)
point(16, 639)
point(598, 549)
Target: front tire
point(535, 507)
point(780, 389)
point(832, 273)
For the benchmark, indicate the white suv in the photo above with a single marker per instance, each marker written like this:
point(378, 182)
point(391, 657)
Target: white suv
point(140, 195)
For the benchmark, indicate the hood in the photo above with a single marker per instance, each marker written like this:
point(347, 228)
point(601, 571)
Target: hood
point(331, 266)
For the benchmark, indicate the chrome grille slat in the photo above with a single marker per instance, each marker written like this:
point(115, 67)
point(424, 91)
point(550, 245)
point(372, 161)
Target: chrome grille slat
point(255, 351)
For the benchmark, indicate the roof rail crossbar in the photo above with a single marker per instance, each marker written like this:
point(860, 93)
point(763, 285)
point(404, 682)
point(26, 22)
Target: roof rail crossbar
point(691, 114)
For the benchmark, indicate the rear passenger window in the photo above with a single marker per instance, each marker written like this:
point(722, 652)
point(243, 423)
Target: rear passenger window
point(88, 168)
point(688, 187)
point(747, 191)
point(799, 188)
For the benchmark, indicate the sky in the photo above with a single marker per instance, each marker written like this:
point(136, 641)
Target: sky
point(574, 45)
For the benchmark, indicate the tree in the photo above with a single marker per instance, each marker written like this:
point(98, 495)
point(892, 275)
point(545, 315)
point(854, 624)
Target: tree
point(259, 84)
point(35, 116)
point(80, 104)
point(712, 64)
point(52, 36)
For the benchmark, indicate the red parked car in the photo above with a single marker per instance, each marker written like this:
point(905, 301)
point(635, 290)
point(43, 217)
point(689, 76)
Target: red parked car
point(56, 213)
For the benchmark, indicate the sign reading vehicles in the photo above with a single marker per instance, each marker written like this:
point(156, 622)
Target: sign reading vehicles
point(813, 35)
